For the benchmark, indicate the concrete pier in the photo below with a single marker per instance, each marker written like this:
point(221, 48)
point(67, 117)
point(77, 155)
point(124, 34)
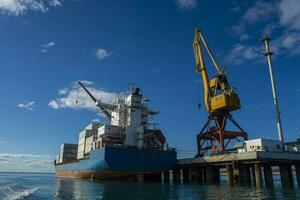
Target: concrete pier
point(297, 170)
point(286, 174)
point(244, 174)
point(201, 175)
point(253, 181)
point(229, 173)
point(258, 174)
point(176, 175)
point(209, 171)
point(212, 174)
point(216, 171)
point(268, 175)
point(166, 176)
point(185, 175)
point(194, 174)
point(250, 167)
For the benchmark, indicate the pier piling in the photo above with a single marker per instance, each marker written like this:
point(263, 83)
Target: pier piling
point(216, 171)
point(297, 170)
point(243, 174)
point(166, 176)
point(229, 172)
point(201, 175)
point(140, 178)
point(185, 175)
point(252, 174)
point(212, 174)
point(209, 174)
point(176, 175)
point(194, 174)
point(258, 174)
point(286, 174)
point(268, 175)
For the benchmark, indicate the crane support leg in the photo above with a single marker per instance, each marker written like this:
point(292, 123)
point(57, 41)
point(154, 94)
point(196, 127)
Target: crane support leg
point(217, 135)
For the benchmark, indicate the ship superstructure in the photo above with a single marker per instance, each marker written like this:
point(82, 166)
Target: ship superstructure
point(131, 133)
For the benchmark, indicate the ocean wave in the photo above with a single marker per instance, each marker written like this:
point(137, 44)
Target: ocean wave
point(16, 192)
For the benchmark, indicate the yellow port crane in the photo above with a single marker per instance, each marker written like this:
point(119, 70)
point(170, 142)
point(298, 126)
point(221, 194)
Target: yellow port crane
point(220, 99)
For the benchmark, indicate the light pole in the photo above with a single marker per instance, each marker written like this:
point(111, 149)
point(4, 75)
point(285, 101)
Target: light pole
point(269, 54)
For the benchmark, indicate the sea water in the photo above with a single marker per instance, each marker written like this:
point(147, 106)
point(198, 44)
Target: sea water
point(48, 186)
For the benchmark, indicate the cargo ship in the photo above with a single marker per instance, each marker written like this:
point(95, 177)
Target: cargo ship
point(130, 147)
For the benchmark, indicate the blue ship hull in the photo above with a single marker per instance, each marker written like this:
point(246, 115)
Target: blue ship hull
point(119, 163)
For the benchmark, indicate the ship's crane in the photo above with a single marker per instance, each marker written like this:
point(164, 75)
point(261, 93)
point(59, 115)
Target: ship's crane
point(98, 103)
point(220, 99)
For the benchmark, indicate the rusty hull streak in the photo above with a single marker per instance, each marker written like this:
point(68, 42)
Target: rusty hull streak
point(105, 175)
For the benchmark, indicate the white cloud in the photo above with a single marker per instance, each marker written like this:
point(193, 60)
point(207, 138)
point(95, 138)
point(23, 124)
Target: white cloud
point(241, 53)
point(25, 163)
point(261, 19)
point(102, 54)
point(55, 3)
point(235, 6)
point(187, 4)
point(63, 91)
point(29, 106)
point(269, 28)
point(46, 46)
point(290, 14)
point(75, 97)
point(290, 40)
point(287, 44)
point(53, 104)
point(260, 12)
point(19, 7)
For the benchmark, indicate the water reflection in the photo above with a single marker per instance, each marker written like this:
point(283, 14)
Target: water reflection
point(108, 190)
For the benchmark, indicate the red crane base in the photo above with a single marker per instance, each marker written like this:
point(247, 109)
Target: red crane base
point(214, 137)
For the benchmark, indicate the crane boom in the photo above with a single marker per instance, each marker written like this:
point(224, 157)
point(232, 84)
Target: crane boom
point(98, 103)
point(218, 94)
point(201, 68)
point(211, 55)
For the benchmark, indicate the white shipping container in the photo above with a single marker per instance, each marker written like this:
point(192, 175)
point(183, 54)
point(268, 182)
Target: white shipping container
point(93, 126)
point(109, 129)
point(60, 159)
point(88, 144)
point(57, 159)
point(68, 152)
point(80, 148)
point(80, 155)
point(83, 137)
point(97, 144)
point(82, 134)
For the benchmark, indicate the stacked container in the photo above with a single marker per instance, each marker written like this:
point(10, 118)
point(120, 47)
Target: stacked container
point(68, 153)
point(84, 143)
point(57, 159)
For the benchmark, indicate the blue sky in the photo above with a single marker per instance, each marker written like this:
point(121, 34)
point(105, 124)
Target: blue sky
point(47, 45)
